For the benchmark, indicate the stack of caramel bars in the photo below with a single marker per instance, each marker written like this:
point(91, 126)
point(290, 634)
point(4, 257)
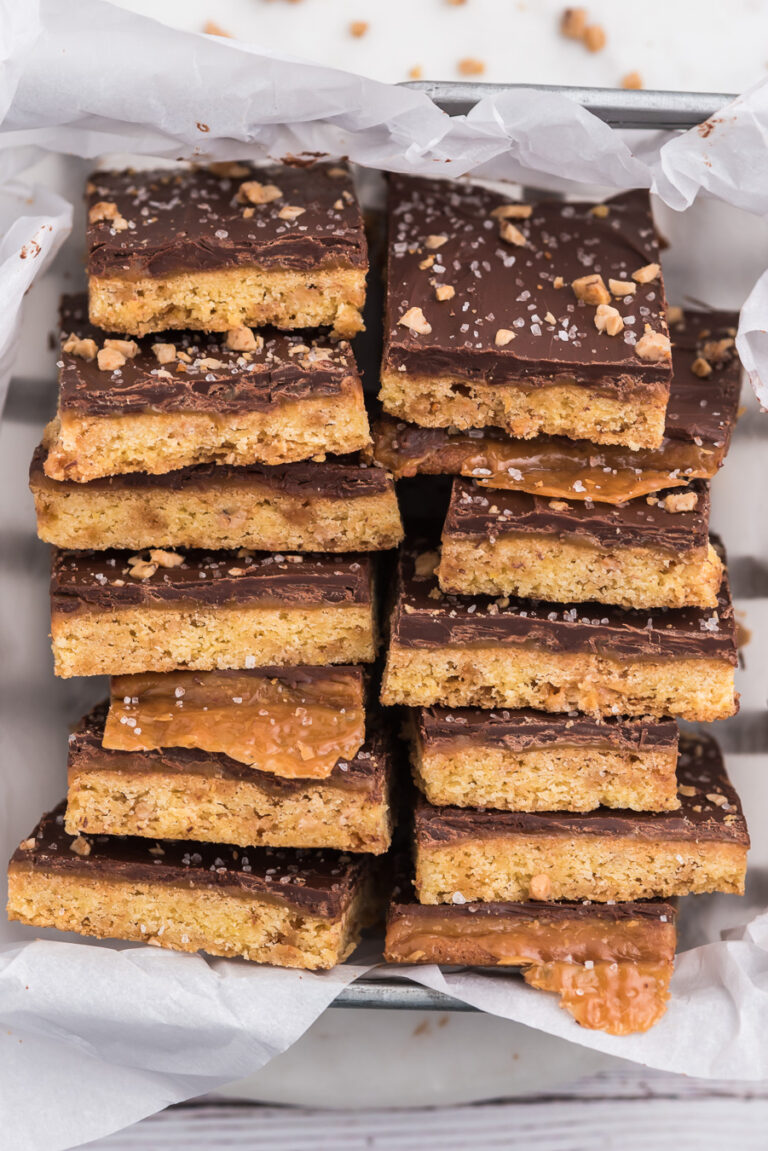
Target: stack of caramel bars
point(576, 605)
point(214, 532)
point(216, 502)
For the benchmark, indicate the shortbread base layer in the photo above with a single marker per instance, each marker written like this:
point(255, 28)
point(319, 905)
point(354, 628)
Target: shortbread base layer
point(596, 867)
point(222, 922)
point(82, 447)
point(213, 810)
point(546, 779)
point(560, 571)
point(698, 690)
point(226, 513)
point(216, 301)
point(577, 411)
point(206, 638)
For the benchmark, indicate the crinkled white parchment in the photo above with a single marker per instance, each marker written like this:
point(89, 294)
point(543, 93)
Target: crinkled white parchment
point(143, 1028)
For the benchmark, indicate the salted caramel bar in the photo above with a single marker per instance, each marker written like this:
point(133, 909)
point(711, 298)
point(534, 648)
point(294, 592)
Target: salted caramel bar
point(288, 721)
point(610, 964)
point(178, 792)
point(523, 760)
point(647, 553)
point(336, 506)
point(477, 651)
point(157, 405)
point(540, 319)
point(701, 414)
point(116, 614)
point(270, 905)
point(225, 246)
point(465, 855)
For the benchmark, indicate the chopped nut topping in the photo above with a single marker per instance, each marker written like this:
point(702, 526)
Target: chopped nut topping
point(718, 351)
point(701, 367)
point(680, 501)
point(337, 172)
point(653, 346)
point(347, 321)
point(435, 241)
point(471, 67)
point(718, 799)
point(540, 887)
point(291, 212)
point(445, 292)
point(27, 844)
point(647, 273)
point(511, 235)
point(608, 320)
point(675, 314)
point(558, 282)
point(142, 570)
point(229, 169)
point(415, 319)
point(549, 319)
point(600, 211)
point(558, 505)
point(127, 348)
point(242, 340)
point(358, 28)
point(107, 212)
point(622, 287)
point(109, 359)
point(425, 564)
point(594, 37)
point(427, 262)
point(687, 791)
point(591, 289)
point(165, 559)
point(164, 353)
point(573, 23)
point(512, 212)
point(248, 212)
point(338, 204)
point(86, 349)
point(210, 364)
point(632, 80)
point(80, 846)
point(254, 192)
point(503, 337)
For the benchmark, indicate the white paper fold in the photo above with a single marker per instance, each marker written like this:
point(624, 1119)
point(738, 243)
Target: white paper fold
point(124, 1032)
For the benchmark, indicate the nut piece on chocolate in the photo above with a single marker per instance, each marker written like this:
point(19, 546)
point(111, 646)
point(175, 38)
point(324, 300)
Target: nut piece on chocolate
point(700, 418)
point(117, 614)
point(336, 506)
point(647, 553)
point(611, 965)
point(522, 760)
point(286, 398)
point(211, 250)
point(289, 908)
point(538, 283)
point(163, 793)
point(481, 651)
point(602, 855)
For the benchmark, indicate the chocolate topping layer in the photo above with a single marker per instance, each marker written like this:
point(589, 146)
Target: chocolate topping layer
point(192, 220)
point(709, 810)
point(481, 513)
point(319, 883)
point(102, 580)
point(368, 770)
point(703, 407)
point(339, 478)
point(511, 286)
point(425, 617)
point(206, 375)
point(405, 903)
point(522, 729)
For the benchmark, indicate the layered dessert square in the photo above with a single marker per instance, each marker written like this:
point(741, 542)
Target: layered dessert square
point(480, 651)
point(647, 553)
point(290, 908)
point(463, 854)
point(229, 245)
point(179, 791)
point(114, 614)
point(701, 414)
point(610, 964)
point(156, 405)
point(540, 319)
point(523, 760)
point(337, 506)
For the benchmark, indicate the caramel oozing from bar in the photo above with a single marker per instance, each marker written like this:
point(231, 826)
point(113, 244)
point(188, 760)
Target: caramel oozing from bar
point(297, 729)
point(620, 998)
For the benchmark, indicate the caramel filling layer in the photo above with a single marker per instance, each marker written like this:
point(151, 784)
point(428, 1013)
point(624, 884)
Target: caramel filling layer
point(295, 727)
point(620, 998)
